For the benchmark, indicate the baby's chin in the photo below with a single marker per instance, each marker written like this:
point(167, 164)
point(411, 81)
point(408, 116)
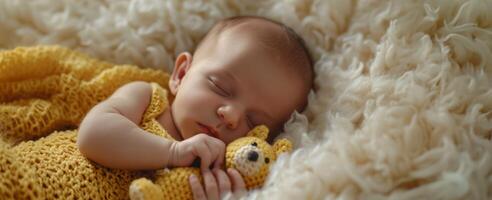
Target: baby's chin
point(184, 133)
point(179, 136)
point(187, 134)
point(176, 133)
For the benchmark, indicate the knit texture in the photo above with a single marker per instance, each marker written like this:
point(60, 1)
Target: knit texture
point(45, 91)
point(174, 183)
point(49, 88)
point(255, 173)
point(44, 94)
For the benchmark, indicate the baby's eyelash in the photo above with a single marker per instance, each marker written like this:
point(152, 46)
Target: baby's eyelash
point(222, 91)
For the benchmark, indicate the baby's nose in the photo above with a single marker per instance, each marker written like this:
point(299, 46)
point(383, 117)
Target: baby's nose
point(230, 115)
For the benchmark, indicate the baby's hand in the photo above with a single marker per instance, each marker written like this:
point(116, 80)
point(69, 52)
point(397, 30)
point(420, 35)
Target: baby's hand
point(208, 149)
point(217, 184)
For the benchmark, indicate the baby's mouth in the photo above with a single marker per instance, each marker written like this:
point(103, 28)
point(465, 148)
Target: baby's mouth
point(208, 130)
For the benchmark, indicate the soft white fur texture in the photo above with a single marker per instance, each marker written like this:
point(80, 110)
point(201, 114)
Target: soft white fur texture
point(403, 107)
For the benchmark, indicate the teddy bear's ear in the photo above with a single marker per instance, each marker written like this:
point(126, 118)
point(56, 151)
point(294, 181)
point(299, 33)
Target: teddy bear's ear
point(282, 145)
point(260, 131)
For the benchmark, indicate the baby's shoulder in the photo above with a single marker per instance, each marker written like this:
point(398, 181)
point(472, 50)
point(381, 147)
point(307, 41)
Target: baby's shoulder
point(135, 89)
point(131, 100)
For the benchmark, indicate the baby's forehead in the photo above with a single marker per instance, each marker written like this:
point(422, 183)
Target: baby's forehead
point(253, 43)
point(256, 27)
point(265, 34)
point(276, 40)
point(262, 32)
point(246, 43)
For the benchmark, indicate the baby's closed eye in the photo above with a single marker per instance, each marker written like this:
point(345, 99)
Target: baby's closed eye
point(218, 88)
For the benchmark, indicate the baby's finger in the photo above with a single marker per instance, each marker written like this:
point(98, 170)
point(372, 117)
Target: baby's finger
point(203, 151)
point(219, 153)
point(220, 147)
point(196, 188)
point(237, 180)
point(210, 185)
point(224, 182)
point(216, 147)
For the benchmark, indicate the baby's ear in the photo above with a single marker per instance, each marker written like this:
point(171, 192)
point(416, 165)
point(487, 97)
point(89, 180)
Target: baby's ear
point(181, 67)
point(282, 146)
point(260, 131)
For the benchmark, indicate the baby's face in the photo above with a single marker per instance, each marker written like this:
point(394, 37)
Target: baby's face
point(232, 85)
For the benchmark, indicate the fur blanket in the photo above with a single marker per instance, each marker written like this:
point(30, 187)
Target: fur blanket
point(403, 101)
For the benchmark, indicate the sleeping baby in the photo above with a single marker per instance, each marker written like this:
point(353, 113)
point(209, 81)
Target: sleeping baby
point(247, 71)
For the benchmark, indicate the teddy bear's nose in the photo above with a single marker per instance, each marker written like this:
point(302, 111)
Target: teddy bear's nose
point(252, 156)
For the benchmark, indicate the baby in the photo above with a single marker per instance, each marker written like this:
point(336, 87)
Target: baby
point(247, 71)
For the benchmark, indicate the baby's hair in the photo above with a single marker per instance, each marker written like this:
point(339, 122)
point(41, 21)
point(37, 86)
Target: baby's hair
point(293, 47)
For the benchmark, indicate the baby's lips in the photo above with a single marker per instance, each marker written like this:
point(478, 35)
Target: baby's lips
point(208, 130)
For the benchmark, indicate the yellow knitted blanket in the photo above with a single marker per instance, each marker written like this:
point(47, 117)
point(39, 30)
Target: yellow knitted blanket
point(44, 94)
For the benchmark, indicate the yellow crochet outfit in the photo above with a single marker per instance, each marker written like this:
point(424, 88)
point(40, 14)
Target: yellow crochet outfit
point(44, 94)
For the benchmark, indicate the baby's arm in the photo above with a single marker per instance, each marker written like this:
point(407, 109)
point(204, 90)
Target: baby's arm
point(110, 136)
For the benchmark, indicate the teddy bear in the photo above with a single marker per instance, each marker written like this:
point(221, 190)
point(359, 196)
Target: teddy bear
point(251, 155)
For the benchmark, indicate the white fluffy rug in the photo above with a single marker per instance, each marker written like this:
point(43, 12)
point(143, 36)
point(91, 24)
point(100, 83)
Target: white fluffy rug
point(403, 107)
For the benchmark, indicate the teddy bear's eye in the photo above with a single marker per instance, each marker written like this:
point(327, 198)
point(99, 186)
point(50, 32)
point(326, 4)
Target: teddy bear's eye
point(267, 160)
point(254, 144)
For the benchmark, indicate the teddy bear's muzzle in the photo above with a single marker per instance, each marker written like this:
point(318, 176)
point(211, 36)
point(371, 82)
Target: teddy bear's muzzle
point(248, 160)
point(252, 156)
